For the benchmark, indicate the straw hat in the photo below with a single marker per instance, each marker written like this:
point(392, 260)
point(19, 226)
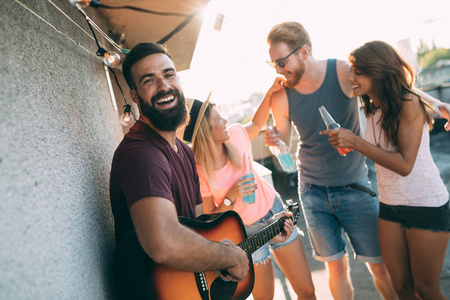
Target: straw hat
point(196, 110)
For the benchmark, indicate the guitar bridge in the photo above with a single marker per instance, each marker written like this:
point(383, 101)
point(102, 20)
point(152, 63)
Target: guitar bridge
point(202, 285)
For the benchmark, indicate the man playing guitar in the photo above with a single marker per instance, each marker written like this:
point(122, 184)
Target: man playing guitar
point(154, 181)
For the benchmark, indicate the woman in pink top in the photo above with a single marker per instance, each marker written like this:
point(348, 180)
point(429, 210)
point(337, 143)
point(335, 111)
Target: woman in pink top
point(414, 217)
point(219, 152)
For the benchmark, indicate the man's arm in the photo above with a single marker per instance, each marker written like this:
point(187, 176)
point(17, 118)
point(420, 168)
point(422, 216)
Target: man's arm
point(263, 112)
point(440, 109)
point(176, 246)
point(280, 112)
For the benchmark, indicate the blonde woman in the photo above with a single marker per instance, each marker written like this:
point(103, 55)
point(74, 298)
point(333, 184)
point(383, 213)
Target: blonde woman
point(219, 152)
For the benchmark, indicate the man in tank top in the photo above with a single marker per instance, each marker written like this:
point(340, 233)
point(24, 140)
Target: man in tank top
point(334, 190)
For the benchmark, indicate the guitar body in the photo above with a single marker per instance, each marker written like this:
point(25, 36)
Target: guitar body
point(226, 227)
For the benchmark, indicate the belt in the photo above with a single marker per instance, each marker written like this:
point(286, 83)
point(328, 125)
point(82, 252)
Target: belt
point(362, 188)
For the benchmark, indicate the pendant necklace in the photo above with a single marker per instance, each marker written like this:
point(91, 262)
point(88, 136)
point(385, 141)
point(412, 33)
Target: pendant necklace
point(374, 134)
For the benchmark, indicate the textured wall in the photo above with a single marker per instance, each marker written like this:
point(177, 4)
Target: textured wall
point(58, 132)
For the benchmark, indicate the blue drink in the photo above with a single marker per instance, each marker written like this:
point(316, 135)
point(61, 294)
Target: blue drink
point(250, 198)
point(286, 161)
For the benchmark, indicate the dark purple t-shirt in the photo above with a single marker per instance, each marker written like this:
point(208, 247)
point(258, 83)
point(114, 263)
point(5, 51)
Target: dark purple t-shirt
point(145, 165)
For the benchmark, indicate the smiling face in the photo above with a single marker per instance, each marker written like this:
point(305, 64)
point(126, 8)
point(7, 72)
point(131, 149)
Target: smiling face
point(219, 132)
point(294, 65)
point(361, 83)
point(158, 92)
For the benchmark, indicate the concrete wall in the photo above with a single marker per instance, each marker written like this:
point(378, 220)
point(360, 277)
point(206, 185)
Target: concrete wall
point(58, 132)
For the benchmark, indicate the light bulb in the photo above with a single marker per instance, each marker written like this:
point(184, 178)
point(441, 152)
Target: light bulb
point(82, 3)
point(111, 59)
point(218, 22)
point(126, 118)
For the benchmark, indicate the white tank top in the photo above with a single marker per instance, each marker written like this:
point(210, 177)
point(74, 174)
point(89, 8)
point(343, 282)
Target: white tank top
point(422, 187)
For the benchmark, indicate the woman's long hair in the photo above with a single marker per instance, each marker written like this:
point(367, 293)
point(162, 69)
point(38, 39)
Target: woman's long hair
point(205, 151)
point(392, 78)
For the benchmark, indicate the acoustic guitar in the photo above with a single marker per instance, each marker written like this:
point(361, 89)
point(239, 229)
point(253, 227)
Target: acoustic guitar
point(226, 227)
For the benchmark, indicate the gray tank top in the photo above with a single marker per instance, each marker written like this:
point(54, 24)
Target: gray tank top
point(319, 163)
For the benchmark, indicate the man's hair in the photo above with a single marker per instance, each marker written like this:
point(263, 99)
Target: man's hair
point(292, 34)
point(136, 54)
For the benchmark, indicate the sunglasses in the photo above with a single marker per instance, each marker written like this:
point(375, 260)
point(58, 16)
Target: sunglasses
point(281, 62)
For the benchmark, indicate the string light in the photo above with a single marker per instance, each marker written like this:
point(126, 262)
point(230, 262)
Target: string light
point(218, 22)
point(110, 58)
point(85, 3)
point(126, 118)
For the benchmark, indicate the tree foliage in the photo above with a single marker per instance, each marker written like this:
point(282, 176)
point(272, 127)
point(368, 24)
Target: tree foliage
point(429, 57)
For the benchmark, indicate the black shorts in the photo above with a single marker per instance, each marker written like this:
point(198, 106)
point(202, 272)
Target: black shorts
point(421, 217)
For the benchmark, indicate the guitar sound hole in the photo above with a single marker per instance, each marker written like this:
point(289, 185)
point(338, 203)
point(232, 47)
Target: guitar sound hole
point(222, 290)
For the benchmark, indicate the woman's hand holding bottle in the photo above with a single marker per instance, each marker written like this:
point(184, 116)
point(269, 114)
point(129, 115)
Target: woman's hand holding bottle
point(332, 127)
point(242, 187)
point(341, 138)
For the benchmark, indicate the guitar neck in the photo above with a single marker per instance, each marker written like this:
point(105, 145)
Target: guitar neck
point(254, 242)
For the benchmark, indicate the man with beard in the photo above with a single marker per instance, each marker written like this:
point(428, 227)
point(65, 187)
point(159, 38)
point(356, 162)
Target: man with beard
point(154, 180)
point(334, 190)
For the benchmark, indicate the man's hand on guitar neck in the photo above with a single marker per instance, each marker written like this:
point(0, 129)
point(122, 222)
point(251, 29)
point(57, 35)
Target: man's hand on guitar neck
point(282, 236)
point(288, 226)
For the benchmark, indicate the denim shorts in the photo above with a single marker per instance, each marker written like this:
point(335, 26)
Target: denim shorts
point(332, 211)
point(426, 218)
point(264, 252)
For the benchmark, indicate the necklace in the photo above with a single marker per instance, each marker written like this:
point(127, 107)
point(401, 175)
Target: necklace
point(374, 135)
point(174, 146)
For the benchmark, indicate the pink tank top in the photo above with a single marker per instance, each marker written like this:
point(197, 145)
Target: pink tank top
point(226, 177)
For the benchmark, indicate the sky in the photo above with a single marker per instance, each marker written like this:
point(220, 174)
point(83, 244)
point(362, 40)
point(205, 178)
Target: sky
point(232, 62)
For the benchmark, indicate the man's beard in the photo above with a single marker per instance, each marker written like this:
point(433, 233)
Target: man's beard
point(296, 75)
point(169, 119)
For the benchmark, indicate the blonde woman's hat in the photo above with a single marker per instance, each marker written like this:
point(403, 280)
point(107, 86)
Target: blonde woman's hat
point(196, 110)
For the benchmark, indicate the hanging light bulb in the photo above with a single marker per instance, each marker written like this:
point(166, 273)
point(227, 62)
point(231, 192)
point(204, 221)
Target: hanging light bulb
point(85, 3)
point(126, 117)
point(111, 59)
point(82, 3)
point(218, 22)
